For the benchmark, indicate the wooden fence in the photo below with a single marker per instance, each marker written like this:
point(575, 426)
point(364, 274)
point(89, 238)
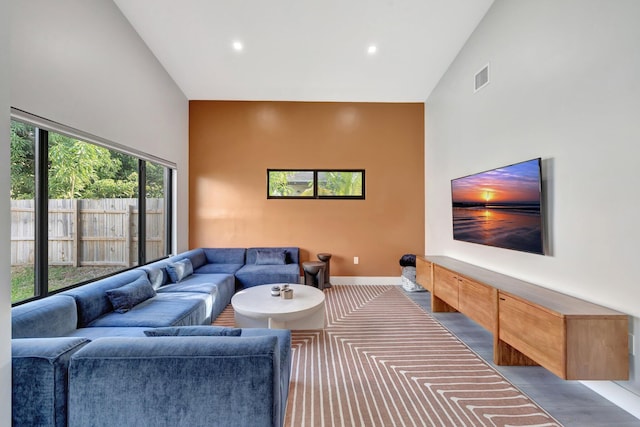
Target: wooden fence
point(85, 232)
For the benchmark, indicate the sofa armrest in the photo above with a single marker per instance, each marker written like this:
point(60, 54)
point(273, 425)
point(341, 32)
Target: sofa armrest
point(284, 344)
point(39, 379)
point(171, 381)
point(54, 316)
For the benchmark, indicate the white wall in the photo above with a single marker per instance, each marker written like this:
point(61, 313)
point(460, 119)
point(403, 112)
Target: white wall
point(5, 281)
point(565, 86)
point(81, 64)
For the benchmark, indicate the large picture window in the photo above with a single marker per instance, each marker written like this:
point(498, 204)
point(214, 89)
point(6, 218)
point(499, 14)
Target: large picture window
point(81, 210)
point(315, 184)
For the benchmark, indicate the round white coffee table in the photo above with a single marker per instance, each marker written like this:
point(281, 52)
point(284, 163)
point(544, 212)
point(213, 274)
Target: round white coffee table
point(256, 308)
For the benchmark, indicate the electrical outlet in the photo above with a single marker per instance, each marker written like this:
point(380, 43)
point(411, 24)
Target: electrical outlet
point(356, 260)
point(632, 345)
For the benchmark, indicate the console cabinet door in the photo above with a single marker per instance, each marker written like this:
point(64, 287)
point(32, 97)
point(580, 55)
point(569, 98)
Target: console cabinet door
point(446, 286)
point(598, 348)
point(423, 273)
point(536, 332)
point(479, 302)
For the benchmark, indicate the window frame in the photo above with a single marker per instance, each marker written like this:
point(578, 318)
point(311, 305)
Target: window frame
point(42, 128)
point(316, 195)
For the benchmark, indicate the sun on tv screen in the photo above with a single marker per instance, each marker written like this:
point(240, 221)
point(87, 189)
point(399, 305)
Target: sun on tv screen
point(501, 207)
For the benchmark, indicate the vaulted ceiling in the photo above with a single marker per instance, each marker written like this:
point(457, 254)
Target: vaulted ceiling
point(305, 50)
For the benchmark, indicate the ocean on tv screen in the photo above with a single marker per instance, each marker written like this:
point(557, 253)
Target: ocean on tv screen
point(500, 207)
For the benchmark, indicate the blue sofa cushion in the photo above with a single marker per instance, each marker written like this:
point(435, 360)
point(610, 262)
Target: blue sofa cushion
point(54, 316)
point(254, 275)
point(271, 257)
point(196, 256)
point(157, 276)
point(179, 270)
point(218, 269)
point(157, 272)
point(165, 309)
point(225, 255)
point(190, 286)
point(92, 300)
point(165, 381)
point(194, 331)
point(291, 254)
point(126, 297)
point(39, 380)
point(221, 286)
point(106, 331)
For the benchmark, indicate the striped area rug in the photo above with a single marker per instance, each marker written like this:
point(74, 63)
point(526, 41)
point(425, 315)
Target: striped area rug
point(383, 361)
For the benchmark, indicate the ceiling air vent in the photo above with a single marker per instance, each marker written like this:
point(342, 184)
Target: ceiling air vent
point(481, 78)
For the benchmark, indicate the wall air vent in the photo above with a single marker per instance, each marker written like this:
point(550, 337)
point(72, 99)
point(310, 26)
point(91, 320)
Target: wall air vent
point(481, 79)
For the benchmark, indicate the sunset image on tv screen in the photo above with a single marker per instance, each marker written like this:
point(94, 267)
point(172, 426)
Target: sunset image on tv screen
point(500, 207)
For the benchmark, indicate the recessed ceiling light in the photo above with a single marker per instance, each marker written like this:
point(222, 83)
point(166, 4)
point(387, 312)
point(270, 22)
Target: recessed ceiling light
point(372, 49)
point(237, 46)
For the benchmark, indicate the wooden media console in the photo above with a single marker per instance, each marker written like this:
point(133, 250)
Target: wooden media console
point(531, 325)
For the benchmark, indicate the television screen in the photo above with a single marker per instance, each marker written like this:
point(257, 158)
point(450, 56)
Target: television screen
point(500, 207)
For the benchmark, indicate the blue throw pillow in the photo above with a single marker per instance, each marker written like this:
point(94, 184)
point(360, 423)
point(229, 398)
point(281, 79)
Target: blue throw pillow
point(194, 331)
point(157, 276)
point(270, 257)
point(128, 296)
point(179, 270)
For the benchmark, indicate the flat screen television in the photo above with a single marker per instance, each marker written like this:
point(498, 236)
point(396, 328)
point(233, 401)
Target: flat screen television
point(500, 207)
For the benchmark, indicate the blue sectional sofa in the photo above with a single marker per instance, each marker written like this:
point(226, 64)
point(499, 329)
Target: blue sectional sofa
point(83, 357)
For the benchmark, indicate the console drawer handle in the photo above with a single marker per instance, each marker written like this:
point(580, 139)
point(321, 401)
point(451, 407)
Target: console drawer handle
point(502, 299)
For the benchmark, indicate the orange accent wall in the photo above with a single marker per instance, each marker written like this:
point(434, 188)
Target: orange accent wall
point(233, 143)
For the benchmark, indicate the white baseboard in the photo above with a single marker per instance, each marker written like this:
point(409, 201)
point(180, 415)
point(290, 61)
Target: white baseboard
point(361, 280)
point(617, 395)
